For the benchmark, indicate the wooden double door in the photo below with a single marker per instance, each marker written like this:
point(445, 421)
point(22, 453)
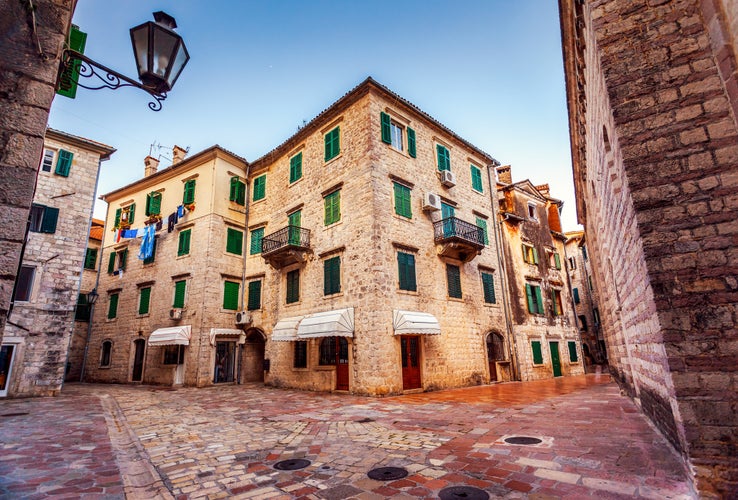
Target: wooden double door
point(410, 348)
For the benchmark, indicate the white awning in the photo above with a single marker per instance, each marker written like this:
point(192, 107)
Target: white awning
point(286, 329)
point(339, 323)
point(413, 323)
point(176, 335)
point(216, 332)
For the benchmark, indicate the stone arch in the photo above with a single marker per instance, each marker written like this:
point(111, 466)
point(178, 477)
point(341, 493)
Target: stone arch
point(253, 363)
point(495, 343)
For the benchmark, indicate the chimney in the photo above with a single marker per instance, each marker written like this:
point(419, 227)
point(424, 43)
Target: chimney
point(544, 190)
point(178, 154)
point(151, 165)
point(504, 174)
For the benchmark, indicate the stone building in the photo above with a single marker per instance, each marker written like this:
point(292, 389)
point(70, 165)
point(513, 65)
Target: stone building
point(652, 90)
point(37, 335)
point(82, 313)
point(586, 299)
point(546, 340)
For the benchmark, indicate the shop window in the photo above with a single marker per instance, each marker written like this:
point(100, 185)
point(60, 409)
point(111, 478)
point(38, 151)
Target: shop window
point(106, 351)
point(300, 357)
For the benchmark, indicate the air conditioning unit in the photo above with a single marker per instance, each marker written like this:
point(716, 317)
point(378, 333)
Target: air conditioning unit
point(448, 178)
point(175, 313)
point(243, 318)
point(431, 202)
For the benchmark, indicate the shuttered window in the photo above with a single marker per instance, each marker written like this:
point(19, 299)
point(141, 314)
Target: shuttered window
point(332, 204)
point(144, 297)
point(385, 120)
point(183, 245)
point(90, 258)
point(535, 299)
point(482, 224)
point(257, 235)
point(573, 352)
point(111, 262)
point(234, 241)
point(82, 311)
point(300, 357)
point(43, 219)
point(406, 271)
point(530, 254)
point(411, 143)
point(488, 287)
point(444, 158)
point(476, 177)
point(188, 196)
point(123, 259)
point(296, 167)
point(260, 187)
point(402, 200)
point(332, 143)
point(293, 286)
point(332, 276)
point(576, 296)
point(237, 191)
point(63, 163)
point(230, 295)
point(113, 306)
point(537, 353)
point(453, 277)
point(254, 301)
point(153, 203)
point(180, 289)
point(556, 304)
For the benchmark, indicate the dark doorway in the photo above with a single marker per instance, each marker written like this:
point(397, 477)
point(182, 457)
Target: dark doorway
point(555, 360)
point(410, 348)
point(334, 351)
point(253, 357)
point(225, 362)
point(495, 353)
point(138, 360)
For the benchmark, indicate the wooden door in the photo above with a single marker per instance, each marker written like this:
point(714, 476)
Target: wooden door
point(342, 366)
point(555, 360)
point(410, 348)
point(138, 360)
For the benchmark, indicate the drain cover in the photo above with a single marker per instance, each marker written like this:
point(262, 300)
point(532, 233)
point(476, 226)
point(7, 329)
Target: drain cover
point(292, 464)
point(523, 440)
point(468, 492)
point(19, 414)
point(387, 473)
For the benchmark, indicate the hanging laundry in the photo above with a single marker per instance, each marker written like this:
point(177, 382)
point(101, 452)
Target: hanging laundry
point(147, 242)
point(180, 211)
point(171, 221)
point(159, 225)
point(117, 235)
point(129, 233)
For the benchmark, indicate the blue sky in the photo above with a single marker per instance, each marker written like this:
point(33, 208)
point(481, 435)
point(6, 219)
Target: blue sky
point(490, 70)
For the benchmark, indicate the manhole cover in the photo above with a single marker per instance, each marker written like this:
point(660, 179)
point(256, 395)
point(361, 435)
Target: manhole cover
point(468, 492)
point(292, 464)
point(523, 440)
point(387, 473)
point(19, 414)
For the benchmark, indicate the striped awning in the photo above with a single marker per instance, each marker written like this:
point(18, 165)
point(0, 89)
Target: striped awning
point(226, 332)
point(286, 329)
point(414, 323)
point(336, 323)
point(175, 335)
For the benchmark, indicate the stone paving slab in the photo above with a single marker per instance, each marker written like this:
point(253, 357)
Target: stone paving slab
point(222, 442)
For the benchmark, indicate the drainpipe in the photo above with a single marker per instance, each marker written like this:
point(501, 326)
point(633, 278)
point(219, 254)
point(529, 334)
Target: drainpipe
point(245, 255)
point(496, 223)
point(573, 304)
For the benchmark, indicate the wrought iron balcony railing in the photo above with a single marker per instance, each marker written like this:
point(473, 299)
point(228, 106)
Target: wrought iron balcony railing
point(457, 230)
point(287, 237)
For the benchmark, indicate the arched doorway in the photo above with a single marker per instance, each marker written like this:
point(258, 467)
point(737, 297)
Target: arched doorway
point(495, 353)
point(139, 348)
point(253, 356)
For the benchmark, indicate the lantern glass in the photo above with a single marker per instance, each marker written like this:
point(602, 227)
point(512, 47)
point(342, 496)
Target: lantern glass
point(160, 53)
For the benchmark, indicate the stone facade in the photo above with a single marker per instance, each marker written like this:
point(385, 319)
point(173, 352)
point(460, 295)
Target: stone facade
point(40, 326)
point(652, 92)
point(545, 334)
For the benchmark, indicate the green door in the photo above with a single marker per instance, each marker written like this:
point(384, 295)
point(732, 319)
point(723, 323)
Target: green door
point(294, 221)
point(447, 214)
point(555, 361)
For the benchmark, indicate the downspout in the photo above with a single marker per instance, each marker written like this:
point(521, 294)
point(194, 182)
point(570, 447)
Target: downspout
point(245, 255)
point(573, 304)
point(512, 342)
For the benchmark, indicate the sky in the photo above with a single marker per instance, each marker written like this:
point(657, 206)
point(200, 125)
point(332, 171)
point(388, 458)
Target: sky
point(490, 70)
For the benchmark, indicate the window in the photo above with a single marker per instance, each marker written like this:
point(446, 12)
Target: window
point(82, 310)
point(332, 203)
point(453, 277)
point(260, 187)
point(117, 260)
point(532, 211)
point(583, 323)
point(153, 204)
point(406, 271)
point(537, 353)
point(112, 306)
point(124, 216)
point(295, 219)
point(293, 286)
point(572, 263)
point(444, 159)
point(476, 177)
point(105, 352)
point(535, 300)
point(556, 304)
point(150, 259)
point(234, 241)
point(411, 143)
point(173, 355)
point(333, 350)
point(63, 163)
point(257, 235)
point(573, 352)
point(589, 280)
point(24, 284)
point(254, 301)
point(391, 132)
point(584, 252)
point(188, 195)
point(447, 210)
point(332, 143)
point(238, 191)
point(554, 260)
point(183, 245)
point(332, 276)
point(230, 295)
point(296, 167)
point(48, 160)
point(482, 224)
point(488, 287)
point(576, 295)
point(300, 358)
point(180, 291)
point(402, 201)
point(90, 258)
point(596, 316)
point(144, 298)
point(43, 219)
point(530, 254)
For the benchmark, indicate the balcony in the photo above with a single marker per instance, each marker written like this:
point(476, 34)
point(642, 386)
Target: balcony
point(458, 239)
point(287, 246)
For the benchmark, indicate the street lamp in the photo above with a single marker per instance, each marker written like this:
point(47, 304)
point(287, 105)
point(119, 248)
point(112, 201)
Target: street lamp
point(92, 296)
point(160, 55)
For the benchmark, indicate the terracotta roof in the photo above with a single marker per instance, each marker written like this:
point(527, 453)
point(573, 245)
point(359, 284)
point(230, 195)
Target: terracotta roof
point(96, 229)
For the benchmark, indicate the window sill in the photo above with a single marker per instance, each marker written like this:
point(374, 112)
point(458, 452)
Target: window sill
point(455, 299)
point(331, 226)
point(182, 256)
point(145, 315)
point(413, 293)
point(333, 295)
point(110, 320)
point(338, 156)
point(478, 192)
point(293, 304)
point(300, 369)
point(108, 367)
point(295, 182)
point(402, 217)
point(491, 304)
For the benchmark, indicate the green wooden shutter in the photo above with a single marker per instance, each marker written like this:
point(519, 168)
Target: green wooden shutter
point(537, 354)
point(576, 295)
point(573, 352)
point(332, 143)
point(63, 163)
point(90, 258)
point(113, 306)
point(488, 286)
point(257, 236)
point(293, 286)
point(70, 76)
point(259, 188)
point(123, 259)
point(332, 208)
point(230, 295)
point(118, 213)
point(411, 142)
point(111, 263)
point(296, 167)
point(153, 203)
point(143, 300)
point(180, 290)
point(403, 206)
point(183, 245)
point(188, 196)
point(48, 223)
point(476, 176)
point(295, 218)
point(482, 224)
point(535, 255)
point(131, 213)
point(386, 128)
point(254, 301)
point(558, 261)
point(539, 300)
point(529, 294)
point(332, 276)
point(406, 271)
point(444, 159)
point(234, 189)
point(453, 276)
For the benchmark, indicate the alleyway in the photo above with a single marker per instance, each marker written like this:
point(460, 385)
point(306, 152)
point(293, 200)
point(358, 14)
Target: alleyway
point(104, 441)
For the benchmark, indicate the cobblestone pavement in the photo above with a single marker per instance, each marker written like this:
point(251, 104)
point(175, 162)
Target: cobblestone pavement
point(101, 441)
